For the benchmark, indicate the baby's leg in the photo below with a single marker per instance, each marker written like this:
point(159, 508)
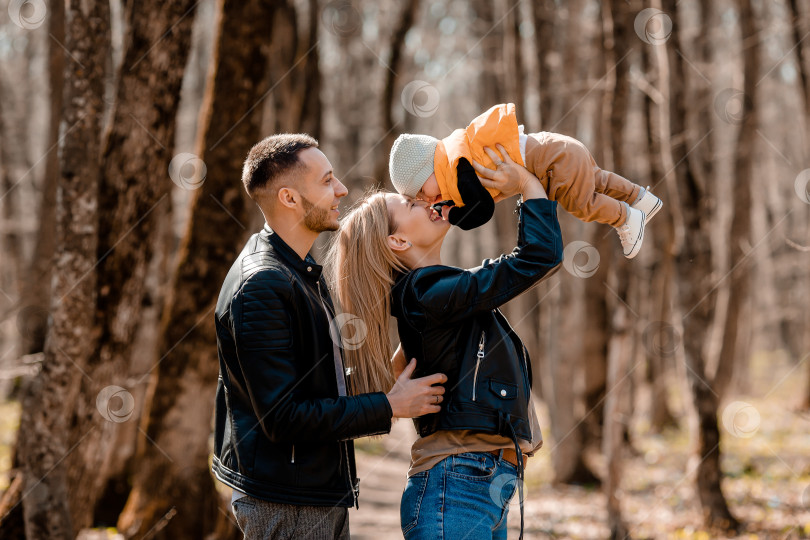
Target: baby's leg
point(615, 186)
point(570, 172)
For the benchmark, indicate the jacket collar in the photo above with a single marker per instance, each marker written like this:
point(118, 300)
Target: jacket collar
point(306, 266)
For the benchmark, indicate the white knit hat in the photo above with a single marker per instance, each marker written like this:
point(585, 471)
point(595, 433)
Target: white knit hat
point(411, 162)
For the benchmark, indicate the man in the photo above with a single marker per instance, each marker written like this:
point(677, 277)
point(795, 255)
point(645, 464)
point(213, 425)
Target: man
point(284, 424)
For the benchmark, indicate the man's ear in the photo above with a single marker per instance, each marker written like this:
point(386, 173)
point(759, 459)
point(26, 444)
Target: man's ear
point(398, 243)
point(288, 197)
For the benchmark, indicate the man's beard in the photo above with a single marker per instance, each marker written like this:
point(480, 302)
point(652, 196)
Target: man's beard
point(316, 219)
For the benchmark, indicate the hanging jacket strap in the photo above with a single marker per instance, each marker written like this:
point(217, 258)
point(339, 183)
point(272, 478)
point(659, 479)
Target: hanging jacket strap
point(506, 428)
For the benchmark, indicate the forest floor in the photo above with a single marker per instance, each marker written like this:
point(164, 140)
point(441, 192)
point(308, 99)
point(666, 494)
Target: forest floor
point(766, 473)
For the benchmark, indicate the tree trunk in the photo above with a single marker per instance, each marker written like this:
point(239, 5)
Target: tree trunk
point(173, 474)
point(394, 65)
point(311, 118)
point(617, 410)
point(296, 79)
point(802, 55)
point(513, 57)
point(617, 18)
point(696, 290)
point(596, 319)
point(10, 240)
point(657, 335)
point(46, 444)
point(137, 153)
point(544, 15)
point(524, 310)
point(567, 92)
point(803, 63)
point(737, 329)
point(11, 512)
point(36, 287)
point(562, 366)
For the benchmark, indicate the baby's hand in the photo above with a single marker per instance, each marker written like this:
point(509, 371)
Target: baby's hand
point(508, 177)
point(443, 208)
point(446, 212)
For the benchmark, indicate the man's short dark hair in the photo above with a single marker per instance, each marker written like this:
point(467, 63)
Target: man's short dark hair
point(272, 157)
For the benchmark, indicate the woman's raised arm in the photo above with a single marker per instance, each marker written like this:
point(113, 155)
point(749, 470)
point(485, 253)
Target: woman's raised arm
point(445, 295)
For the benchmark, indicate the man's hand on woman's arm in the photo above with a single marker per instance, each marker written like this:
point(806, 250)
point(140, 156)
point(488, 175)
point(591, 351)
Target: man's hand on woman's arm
point(508, 177)
point(410, 398)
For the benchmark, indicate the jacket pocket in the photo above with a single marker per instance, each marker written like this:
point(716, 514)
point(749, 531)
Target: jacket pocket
point(503, 390)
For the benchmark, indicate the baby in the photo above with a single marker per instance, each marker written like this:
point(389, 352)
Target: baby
point(424, 167)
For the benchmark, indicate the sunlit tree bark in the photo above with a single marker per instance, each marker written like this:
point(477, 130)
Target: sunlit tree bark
point(46, 441)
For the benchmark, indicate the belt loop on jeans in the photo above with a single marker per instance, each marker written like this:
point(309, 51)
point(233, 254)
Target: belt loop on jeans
point(500, 454)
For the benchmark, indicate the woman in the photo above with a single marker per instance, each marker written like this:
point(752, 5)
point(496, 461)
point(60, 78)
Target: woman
point(387, 260)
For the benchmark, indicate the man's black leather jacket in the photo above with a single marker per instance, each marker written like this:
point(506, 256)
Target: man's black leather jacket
point(448, 319)
point(281, 432)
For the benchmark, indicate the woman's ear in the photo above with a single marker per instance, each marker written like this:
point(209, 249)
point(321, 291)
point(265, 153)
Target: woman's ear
point(398, 243)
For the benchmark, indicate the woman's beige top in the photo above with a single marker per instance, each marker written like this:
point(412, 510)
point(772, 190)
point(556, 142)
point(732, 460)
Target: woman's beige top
point(428, 451)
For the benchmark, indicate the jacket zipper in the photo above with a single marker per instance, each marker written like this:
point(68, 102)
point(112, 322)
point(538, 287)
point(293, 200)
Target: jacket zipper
point(480, 356)
point(292, 458)
point(352, 488)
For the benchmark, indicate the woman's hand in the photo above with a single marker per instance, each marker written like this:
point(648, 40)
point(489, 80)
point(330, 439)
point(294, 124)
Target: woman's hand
point(508, 177)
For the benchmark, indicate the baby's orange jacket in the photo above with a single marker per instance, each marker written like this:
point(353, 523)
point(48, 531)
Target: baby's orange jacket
point(497, 125)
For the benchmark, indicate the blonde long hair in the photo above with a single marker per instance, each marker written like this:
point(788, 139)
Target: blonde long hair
point(361, 266)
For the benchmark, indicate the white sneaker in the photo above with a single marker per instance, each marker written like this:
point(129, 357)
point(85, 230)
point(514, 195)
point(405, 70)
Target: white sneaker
point(649, 204)
point(631, 233)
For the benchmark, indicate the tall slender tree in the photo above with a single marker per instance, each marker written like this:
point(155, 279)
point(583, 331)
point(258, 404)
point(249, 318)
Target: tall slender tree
point(393, 66)
point(659, 337)
point(617, 17)
point(36, 287)
point(543, 16)
point(737, 324)
point(800, 25)
point(697, 292)
point(45, 442)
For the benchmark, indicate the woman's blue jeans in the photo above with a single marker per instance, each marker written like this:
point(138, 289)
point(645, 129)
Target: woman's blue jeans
point(463, 497)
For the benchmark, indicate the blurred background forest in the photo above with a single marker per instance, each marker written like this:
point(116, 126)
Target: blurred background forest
point(673, 389)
